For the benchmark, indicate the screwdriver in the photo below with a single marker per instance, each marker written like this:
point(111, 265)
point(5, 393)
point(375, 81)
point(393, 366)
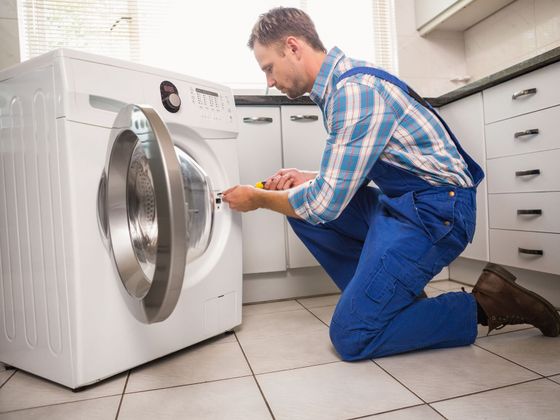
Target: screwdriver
point(260, 184)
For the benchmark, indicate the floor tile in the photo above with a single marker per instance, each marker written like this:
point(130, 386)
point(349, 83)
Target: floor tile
point(276, 324)
point(196, 364)
point(5, 375)
point(421, 412)
point(445, 373)
point(271, 307)
point(555, 378)
point(229, 399)
point(333, 391)
point(448, 285)
point(97, 409)
point(483, 331)
point(317, 302)
point(324, 313)
point(532, 400)
point(529, 348)
point(28, 391)
point(289, 351)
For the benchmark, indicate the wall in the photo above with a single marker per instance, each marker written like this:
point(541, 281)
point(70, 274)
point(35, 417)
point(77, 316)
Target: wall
point(428, 64)
point(519, 31)
point(9, 47)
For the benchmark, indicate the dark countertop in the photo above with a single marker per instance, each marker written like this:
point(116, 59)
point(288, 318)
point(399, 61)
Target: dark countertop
point(526, 66)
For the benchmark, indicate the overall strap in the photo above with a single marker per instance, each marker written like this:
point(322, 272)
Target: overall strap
point(475, 170)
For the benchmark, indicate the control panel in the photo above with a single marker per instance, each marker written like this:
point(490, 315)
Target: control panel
point(170, 96)
point(212, 105)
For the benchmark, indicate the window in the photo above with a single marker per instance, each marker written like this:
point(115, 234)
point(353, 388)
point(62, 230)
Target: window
point(204, 39)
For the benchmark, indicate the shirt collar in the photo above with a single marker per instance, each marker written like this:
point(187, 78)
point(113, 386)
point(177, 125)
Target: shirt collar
point(324, 77)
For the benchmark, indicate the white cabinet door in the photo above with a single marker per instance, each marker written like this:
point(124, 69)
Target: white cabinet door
point(303, 141)
point(466, 120)
point(260, 155)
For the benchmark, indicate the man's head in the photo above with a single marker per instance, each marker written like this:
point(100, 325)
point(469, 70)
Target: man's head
point(288, 50)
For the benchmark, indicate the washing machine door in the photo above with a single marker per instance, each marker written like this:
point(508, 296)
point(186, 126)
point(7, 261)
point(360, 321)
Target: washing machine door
point(143, 214)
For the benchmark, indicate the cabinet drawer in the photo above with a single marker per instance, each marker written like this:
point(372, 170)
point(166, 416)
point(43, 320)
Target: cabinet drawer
point(507, 247)
point(525, 173)
point(499, 102)
point(533, 132)
point(537, 212)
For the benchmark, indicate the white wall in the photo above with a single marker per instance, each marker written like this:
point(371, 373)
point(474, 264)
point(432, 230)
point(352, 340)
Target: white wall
point(519, 31)
point(9, 44)
point(428, 64)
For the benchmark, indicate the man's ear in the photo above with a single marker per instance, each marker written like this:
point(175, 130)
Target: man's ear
point(294, 46)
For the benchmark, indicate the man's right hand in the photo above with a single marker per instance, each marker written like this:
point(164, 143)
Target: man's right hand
point(288, 178)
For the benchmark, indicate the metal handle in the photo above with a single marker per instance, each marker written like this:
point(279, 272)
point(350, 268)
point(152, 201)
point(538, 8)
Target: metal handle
point(530, 251)
point(530, 211)
point(529, 172)
point(257, 120)
point(526, 132)
point(524, 92)
point(304, 117)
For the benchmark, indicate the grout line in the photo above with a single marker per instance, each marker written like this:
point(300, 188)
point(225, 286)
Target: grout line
point(299, 367)
point(388, 373)
point(185, 385)
point(511, 361)
point(10, 377)
point(309, 310)
point(122, 395)
point(385, 412)
point(17, 410)
point(486, 390)
point(254, 377)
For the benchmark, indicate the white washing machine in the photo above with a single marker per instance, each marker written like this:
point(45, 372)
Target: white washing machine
point(114, 248)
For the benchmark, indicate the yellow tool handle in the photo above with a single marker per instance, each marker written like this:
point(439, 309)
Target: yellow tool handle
point(260, 184)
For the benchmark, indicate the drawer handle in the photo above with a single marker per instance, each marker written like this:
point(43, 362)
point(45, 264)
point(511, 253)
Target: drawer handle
point(530, 251)
point(304, 117)
point(524, 92)
point(530, 211)
point(257, 120)
point(526, 132)
point(529, 172)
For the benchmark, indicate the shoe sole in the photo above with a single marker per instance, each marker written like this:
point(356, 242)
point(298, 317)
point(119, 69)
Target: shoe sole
point(551, 309)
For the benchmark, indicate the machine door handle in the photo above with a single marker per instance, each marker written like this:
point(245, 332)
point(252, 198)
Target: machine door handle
point(530, 251)
point(529, 172)
point(524, 92)
point(304, 117)
point(257, 120)
point(526, 132)
point(530, 211)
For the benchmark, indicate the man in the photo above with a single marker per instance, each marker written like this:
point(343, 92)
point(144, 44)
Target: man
point(381, 245)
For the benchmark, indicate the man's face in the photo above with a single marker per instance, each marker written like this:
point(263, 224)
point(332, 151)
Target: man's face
point(282, 68)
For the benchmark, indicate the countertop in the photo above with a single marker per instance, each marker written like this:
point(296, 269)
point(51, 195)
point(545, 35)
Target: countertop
point(526, 66)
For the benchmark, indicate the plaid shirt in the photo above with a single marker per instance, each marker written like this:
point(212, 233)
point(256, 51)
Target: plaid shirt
point(368, 119)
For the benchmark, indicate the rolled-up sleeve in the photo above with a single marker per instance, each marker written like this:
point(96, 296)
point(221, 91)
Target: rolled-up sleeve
point(360, 125)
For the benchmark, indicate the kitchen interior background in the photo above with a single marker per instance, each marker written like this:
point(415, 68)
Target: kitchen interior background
point(520, 30)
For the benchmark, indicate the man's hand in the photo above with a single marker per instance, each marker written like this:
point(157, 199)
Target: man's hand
point(288, 178)
point(242, 198)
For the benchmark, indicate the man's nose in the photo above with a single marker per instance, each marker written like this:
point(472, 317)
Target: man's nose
point(270, 81)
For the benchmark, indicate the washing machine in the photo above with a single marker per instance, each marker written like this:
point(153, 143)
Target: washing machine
point(115, 247)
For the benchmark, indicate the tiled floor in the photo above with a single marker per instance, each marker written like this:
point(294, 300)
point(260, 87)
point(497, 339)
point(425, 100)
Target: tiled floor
point(280, 364)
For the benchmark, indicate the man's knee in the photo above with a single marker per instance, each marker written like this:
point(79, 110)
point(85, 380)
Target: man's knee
point(348, 342)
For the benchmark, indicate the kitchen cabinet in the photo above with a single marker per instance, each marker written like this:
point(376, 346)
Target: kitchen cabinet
point(270, 138)
point(453, 15)
point(465, 118)
point(523, 173)
point(260, 155)
point(303, 141)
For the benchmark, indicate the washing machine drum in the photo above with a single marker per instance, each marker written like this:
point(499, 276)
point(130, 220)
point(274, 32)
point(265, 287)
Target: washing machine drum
point(155, 208)
point(142, 208)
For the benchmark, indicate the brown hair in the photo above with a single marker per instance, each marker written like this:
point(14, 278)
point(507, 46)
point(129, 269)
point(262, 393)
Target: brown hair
point(279, 23)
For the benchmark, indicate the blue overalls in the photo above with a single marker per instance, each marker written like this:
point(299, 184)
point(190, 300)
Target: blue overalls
point(383, 249)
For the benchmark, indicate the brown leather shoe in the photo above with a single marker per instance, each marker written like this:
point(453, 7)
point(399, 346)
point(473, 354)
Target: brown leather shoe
point(507, 303)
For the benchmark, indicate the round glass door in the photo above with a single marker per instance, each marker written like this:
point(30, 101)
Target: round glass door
point(145, 212)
